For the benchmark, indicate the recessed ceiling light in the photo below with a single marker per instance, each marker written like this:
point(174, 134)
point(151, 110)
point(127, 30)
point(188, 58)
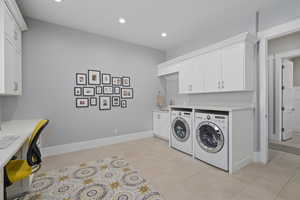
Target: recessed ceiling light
point(58, 1)
point(164, 34)
point(122, 20)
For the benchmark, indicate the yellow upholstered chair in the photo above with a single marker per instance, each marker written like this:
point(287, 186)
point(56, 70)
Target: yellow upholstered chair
point(17, 170)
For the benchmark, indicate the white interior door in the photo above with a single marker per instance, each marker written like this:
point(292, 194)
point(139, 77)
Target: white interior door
point(288, 100)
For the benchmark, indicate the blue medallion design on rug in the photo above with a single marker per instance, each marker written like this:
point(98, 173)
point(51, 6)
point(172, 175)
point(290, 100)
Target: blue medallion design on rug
point(104, 179)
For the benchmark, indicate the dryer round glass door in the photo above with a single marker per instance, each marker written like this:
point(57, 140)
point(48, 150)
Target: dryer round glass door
point(180, 129)
point(209, 137)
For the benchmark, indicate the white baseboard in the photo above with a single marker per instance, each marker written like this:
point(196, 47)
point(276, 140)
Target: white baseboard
point(72, 147)
point(256, 157)
point(242, 163)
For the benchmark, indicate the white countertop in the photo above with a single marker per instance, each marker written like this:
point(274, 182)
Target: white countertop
point(216, 107)
point(22, 128)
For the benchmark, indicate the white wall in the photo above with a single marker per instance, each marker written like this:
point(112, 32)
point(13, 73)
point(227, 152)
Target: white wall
point(279, 13)
point(297, 92)
point(278, 46)
point(52, 55)
point(284, 44)
point(297, 71)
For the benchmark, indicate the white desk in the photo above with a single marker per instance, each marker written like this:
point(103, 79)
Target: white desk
point(22, 128)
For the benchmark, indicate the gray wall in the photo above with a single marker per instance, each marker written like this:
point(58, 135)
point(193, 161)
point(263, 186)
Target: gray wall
point(52, 55)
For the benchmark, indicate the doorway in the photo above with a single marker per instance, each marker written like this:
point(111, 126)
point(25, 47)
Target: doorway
point(284, 101)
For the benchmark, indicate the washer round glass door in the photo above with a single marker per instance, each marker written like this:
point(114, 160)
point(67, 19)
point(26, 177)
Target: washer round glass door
point(180, 129)
point(210, 137)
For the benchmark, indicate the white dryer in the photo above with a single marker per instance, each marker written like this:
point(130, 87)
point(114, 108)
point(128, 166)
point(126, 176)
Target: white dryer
point(211, 138)
point(181, 130)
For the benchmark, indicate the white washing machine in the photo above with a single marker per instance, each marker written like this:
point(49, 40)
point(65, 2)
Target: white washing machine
point(181, 131)
point(211, 138)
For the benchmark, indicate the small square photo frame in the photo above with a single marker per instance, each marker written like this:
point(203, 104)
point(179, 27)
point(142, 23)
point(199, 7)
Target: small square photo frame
point(81, 79)
point(77, 91)
point(126, 81)
point(82, 102)
point(93, 101)
point(104, 103)
point(127, 93)
point(94, 77)
point(116, 81)
point(107, 90)
point(88, 91)
point(117, 90)
point(106, 79)
point(98, 89)
point(116, 101)
point(123, 104)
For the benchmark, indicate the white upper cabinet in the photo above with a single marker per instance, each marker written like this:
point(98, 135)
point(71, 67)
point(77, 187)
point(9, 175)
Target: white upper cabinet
point(233, 68)
point(212, 71)
point(224, 67)
point(191, 76)
point(11, 26)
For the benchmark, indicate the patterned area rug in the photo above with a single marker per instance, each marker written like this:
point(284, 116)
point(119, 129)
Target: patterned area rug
point(107, 179)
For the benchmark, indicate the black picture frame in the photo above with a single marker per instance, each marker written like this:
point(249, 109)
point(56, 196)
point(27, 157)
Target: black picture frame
point(99, 89)
point(114, 100)
point(81, 82)
point(117, 90)
point(79, 90)
point(123, 104)
point(90, 74)
point(126, 81)
point(90, 88)
point(93, 101)
point(116, 81)
point(108, 87)
point(106, 79)
point(77, 104)
point(101, 99)
point(126, 97)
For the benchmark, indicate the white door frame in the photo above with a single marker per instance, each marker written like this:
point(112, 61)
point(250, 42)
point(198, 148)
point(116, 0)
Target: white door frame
point(279, 61)
point(265, 36)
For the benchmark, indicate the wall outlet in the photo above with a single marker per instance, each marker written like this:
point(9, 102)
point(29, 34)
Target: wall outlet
point(116, 131)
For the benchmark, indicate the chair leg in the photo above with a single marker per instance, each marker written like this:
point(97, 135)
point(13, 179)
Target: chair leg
point(5, 193)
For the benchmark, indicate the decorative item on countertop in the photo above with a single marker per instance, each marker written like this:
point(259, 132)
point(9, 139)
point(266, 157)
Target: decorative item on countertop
point(160, 100)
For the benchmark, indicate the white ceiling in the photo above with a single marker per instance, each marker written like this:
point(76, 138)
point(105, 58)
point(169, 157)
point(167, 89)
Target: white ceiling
point(183, 20)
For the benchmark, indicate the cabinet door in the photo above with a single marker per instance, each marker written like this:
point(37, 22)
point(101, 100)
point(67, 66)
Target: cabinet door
point(185, 80)
point(156, 118)
point(197, 74)
point(233, 65)
point(9, 66)
point(213, 71)
point(165, 125)
point(12, 69)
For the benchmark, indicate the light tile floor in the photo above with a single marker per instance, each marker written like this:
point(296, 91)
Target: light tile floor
point(293, 142)
point(178, 176)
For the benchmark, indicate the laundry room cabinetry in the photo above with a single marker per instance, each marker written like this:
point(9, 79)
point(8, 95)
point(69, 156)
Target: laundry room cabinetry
point(161, 127)
point(191, 75)
point(11, 26)
point(227, 66)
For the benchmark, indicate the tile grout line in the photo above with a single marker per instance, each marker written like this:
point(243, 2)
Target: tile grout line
point(293, 176)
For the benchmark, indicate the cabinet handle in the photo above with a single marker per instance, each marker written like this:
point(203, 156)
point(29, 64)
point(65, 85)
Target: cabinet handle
point(223, 84)
point(16, 86)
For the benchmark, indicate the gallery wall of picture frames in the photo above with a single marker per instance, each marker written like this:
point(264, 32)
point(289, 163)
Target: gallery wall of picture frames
point(102, 90)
